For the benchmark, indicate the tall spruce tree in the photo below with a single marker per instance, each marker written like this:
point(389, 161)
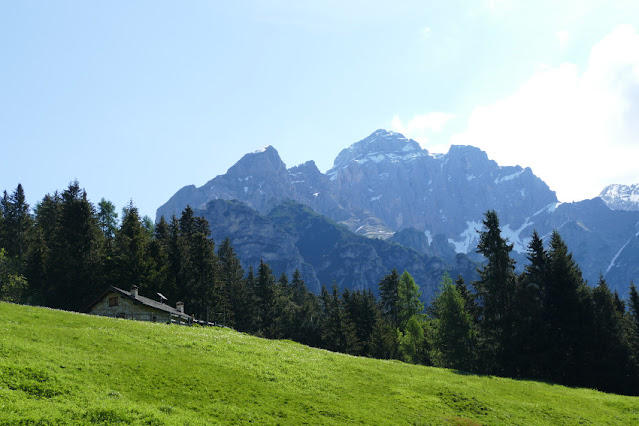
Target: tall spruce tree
point(202, 286)
point(609, 355)
point(389, 294)
point(131, 263)
point(567, 304)
point(361, 307)
point(495, 291)
point(234, 285)
point(265, 294)
point(16, 224)
point(338, 329)
point(632, 316)
point(529, 321)
point(158, 258)
point(306, 316)
point(75, 262)
point(47, 215)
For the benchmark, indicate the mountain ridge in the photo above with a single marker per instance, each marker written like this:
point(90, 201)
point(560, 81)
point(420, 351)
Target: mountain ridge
point(386, 183)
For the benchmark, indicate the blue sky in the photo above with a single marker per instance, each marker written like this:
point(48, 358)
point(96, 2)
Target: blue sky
point(136, 99)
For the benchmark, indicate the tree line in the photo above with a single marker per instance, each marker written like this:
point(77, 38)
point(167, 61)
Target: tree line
point(545, 323)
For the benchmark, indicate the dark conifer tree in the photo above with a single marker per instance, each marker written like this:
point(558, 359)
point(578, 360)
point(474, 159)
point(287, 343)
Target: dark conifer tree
point(619, 304)
point(470, 301)
point(338, 330)
point(306, 313)
point(176, 252)
point(265, 295)
point(389, 294)
point(284, 309)
point(16, 224)
point(382, 342)
point(75, 261)
point(529, 321)
point(632, 320)
point(252, 320)
point(2, 204)
point(363, 310)
point(495, 291)
point(567, 317)
point(234, 285)
point(48, 213)
point(609, 356)
point(202, 289)
point(299, 288)
point(131, 264)
point(159, 259)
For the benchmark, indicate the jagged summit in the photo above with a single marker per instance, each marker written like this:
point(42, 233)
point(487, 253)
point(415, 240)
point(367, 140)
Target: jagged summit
point(621, 197)
point(264, 161)
point(380, 145)
point(264, 149)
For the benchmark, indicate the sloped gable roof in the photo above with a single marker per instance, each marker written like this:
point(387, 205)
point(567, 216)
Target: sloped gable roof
point(140, 300)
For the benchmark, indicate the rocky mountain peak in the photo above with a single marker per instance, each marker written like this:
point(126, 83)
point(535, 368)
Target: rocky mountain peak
point(467, 151)
point(265, 161)
point(621, 197)
point(381, 144)
point(307, 168)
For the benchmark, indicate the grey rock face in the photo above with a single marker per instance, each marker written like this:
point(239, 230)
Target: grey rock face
point(406, 187)
point(621, 197)
point(256, 238)
point(292, 237)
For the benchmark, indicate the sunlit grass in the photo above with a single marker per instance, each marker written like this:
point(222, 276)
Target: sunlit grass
point(65, 368)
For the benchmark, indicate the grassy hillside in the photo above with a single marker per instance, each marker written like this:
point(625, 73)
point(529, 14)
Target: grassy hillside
point(65, 368)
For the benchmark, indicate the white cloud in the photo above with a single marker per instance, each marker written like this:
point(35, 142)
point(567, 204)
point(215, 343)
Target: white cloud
point(421, 127)
point(579, 131)
point(563, 36)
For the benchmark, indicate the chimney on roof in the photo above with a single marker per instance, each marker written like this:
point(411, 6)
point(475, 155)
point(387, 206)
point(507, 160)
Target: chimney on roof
point(180, 306)
point(134, 291)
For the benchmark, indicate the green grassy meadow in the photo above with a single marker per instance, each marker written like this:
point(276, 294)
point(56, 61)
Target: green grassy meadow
point(66, 368)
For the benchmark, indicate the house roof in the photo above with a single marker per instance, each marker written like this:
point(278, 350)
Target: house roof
point(140, 300)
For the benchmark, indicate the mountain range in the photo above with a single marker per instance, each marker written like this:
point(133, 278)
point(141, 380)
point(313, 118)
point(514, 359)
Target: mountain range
point(388, 188)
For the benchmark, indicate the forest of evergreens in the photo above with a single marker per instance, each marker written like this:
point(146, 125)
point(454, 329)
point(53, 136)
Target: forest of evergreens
point(545, 323)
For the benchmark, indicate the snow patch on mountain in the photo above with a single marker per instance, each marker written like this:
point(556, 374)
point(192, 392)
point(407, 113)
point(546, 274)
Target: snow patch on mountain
point(614, 259)
point(468, 238)
point(520, 242)
point(429, 237)
point(509, 177)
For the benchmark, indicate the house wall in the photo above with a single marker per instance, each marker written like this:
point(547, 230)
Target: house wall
point(128, 309)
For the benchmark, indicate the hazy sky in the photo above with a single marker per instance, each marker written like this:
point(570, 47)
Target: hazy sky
point(136, 99)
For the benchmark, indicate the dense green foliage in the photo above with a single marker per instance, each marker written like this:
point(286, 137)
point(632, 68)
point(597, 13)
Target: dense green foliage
point(64, 368)
point(544, 324)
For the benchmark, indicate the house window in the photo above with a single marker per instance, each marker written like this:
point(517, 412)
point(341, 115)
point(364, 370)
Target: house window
point(113, 301)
